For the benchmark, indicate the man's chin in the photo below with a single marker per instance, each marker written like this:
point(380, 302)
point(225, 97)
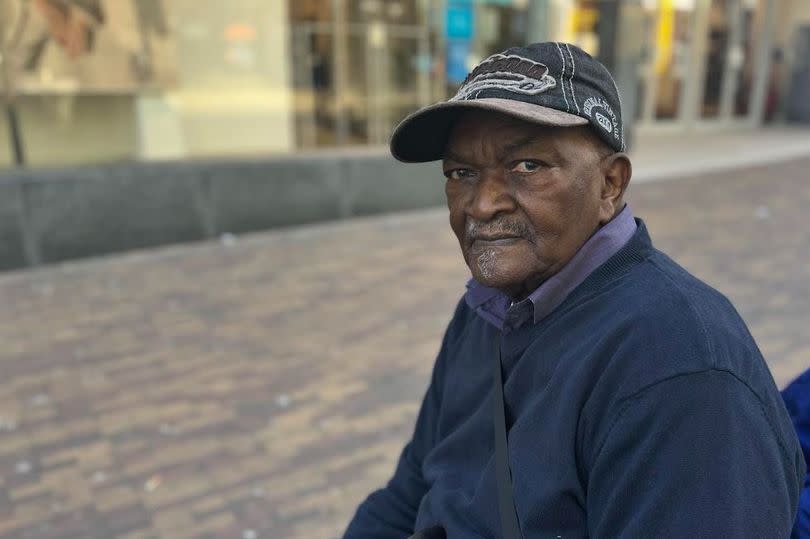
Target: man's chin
point(490, 277)
point(504, 269)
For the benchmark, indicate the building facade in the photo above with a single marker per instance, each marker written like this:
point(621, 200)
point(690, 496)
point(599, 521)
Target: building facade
point(186, 79)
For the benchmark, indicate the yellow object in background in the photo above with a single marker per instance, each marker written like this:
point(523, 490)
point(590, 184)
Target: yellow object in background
point(581, 27)
point(664, 36)
point(583, 19)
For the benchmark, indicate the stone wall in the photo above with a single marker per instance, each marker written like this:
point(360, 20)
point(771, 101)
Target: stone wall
point(52, 215)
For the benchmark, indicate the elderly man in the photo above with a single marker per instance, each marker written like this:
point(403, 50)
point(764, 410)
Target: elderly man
point(628, 398)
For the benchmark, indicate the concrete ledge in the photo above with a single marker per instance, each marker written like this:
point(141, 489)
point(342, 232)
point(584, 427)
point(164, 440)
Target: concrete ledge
point(52, 215)
point(380, 184)
point(260, 195)
point(82, 212)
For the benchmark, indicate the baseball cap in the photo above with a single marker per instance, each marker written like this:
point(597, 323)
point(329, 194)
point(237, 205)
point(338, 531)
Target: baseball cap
point(555, 84)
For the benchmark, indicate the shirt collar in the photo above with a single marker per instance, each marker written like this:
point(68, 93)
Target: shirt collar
point(498, 309)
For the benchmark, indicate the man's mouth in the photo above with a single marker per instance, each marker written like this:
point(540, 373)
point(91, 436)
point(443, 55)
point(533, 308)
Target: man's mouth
point(482, 240)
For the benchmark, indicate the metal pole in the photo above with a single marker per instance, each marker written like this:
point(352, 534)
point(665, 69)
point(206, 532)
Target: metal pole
point(691, 103)
point(423, 81)
point(625, 42)
point(763, 63)
point(733, 64)
point(650, 60)
point(9, 40)
point(440, 77)
point(14, 134)
point(340, 66)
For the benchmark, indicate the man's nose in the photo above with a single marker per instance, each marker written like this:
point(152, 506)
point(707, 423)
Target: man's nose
point(492, 196)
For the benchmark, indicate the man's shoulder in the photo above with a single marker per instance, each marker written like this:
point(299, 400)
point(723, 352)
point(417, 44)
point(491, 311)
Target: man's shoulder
point(674, 324)
point(675, 329)
point(667, 292)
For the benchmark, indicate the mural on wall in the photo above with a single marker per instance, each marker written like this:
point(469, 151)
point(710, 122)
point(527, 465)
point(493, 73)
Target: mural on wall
point(98, 46)
point(74, 47)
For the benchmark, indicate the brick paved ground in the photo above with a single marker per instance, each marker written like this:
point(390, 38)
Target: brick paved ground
point(261, 389)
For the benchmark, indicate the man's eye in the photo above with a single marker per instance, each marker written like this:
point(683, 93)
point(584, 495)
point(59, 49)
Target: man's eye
point(458, 174)
point(526, 166)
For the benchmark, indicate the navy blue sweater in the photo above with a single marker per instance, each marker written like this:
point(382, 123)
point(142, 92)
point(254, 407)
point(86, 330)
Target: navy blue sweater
point(641, 407)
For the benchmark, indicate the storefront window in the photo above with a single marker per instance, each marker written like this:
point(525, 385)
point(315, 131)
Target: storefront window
point(356, 71)
point(730, 57)
point(358, 74)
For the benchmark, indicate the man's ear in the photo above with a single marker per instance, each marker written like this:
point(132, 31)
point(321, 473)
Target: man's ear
point(616, 173)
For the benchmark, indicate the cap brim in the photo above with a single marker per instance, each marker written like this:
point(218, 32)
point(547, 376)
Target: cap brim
point(422, 136)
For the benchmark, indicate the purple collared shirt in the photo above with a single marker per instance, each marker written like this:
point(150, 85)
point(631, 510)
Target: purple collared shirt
point(497, 308)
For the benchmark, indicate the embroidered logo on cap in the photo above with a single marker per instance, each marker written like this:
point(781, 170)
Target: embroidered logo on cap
point(598, 109)
point(506, 72)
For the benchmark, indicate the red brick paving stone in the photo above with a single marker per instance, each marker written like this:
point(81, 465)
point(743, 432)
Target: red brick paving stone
point(203, 391)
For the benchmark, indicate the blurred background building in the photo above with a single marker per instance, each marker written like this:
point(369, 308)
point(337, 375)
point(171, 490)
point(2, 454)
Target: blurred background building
point(118, 80)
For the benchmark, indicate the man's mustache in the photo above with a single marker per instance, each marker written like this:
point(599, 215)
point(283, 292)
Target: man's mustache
point(502, 227)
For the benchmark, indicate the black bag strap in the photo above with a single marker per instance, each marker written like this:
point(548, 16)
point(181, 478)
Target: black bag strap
point(506, 503)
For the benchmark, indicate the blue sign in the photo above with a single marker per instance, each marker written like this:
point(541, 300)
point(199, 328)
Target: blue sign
point(457, 53)
point(460, 21)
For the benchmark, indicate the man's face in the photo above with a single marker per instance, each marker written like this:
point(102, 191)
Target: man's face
point(523, 198)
